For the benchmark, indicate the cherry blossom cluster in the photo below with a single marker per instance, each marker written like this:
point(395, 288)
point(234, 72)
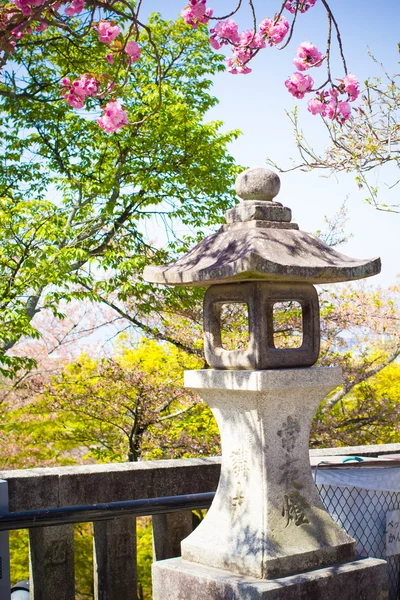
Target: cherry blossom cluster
point(75, 92)
point(299, 85)
point(113, 118)
point(245, 44)
point(196, 13)
point(308, 56)
point(108, 32)
point(75, 8)
point(225, 33)
point(27, 6)
point(327, 104)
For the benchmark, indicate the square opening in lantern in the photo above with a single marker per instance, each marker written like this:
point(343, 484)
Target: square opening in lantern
point(288, 324)
point(234, 326)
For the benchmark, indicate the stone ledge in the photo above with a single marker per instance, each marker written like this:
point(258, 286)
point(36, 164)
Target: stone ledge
point(263, 380)
point(176, 579)
point(32, 489)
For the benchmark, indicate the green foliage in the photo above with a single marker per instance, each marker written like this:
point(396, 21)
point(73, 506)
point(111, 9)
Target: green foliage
point(368, 414)
point(130, 407)
point(19, 555)
point(144, 557)
point(83, 561)
point(76, 203)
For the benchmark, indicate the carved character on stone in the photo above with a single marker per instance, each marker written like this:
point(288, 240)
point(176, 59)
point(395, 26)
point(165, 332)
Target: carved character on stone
point(289, 433)
point(294, 506)
point(240, 468)
point(57, 555)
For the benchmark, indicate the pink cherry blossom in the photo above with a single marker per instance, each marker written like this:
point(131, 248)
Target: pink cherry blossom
point(317, 107)
point(242, 54)
point(235, 67)
point(215, 43)
point(308, 56)
point(338, 111)
point(75, 93)
point(299, 85)
point(113, 118)
point(74, 8)
point(351, 87)
point(41, 27)
point(225, 32)
point(251, 39)
point(196, 12)
point(107, 32)
point(132, 48)
point(302, 5)
point(274, 32)
point(110, 58)
point(25, 6)
point(18, 33)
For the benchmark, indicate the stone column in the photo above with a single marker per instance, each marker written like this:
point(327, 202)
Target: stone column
point(267, 520)
point(115, 575)
point(51, 552)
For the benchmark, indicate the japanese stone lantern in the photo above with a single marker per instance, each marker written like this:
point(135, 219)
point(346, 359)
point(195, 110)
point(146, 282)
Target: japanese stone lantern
point(267, 523)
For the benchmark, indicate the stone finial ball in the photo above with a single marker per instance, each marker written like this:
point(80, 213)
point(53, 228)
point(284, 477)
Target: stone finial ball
point(257, 183)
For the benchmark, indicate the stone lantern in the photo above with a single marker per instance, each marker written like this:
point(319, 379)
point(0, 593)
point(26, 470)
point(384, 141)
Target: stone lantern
point(267, 524)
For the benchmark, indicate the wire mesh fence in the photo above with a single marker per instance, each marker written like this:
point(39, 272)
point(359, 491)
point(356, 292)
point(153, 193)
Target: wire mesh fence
point(362, 513)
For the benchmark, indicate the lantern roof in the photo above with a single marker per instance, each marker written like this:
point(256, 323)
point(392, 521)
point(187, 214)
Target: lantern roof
point(259, 242)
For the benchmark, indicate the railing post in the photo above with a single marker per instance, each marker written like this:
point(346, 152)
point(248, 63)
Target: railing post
point(168, 532)
point(115, 574)
point(51, 551)
point(4, 546)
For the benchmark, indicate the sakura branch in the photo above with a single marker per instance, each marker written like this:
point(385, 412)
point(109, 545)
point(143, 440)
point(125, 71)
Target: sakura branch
point(119, 28)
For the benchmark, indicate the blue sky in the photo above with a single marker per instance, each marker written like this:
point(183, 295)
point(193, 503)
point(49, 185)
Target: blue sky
point(256, 105)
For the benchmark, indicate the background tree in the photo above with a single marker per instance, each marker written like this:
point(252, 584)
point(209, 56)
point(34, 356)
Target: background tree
point(78, 208)
point(127, 408)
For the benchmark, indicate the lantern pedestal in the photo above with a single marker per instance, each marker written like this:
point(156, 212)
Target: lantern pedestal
point(267, 519)
point(267, 523)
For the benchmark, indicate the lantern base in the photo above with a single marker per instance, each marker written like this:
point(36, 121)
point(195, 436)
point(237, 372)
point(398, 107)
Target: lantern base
point(177, 579)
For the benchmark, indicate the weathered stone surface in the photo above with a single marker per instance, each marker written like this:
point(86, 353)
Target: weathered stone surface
point(241, 227)
point(177, 579)
point(91, 484)
point(261, 253)
point(254, 210)
point(115, 575)
point(267, 519)
point(260, 298)
point(51, 552)
point(257, 183)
